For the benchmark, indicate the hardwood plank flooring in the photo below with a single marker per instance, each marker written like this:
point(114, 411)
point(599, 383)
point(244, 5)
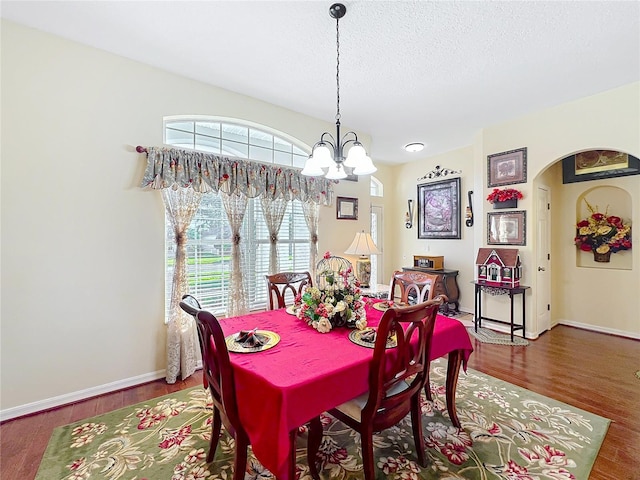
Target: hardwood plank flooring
point(591, 371)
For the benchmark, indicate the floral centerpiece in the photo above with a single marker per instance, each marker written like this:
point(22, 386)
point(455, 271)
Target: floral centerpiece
point(602, 234)
point(504, 195)
point(335, 302)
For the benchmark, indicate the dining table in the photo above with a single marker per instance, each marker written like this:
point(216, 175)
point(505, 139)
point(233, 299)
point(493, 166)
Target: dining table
point(306, 373)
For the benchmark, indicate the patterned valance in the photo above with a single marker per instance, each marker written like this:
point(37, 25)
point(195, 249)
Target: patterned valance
point(208, 172)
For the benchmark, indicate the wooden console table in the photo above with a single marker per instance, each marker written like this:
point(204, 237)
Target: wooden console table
point(447, 284)
point(481, 287)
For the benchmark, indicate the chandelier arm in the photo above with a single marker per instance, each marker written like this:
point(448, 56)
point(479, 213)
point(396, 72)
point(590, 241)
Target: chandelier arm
point(323, 139)
point(344, 140)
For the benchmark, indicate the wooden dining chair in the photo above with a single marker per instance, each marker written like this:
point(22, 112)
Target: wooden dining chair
point(414, 287)
point(218, 373)
point(284, 286)
point(396, 379)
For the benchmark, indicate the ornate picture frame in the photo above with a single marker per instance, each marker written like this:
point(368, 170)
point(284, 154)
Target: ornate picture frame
point(507, 168)
point(439, 210)
point(346, 208)
point(507, 228)
point(598, 164)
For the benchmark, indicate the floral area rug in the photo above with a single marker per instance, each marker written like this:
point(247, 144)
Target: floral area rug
point(486, 335)
point(508, 433)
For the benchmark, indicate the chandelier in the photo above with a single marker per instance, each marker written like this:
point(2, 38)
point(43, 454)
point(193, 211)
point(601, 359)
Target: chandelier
point(328, 154)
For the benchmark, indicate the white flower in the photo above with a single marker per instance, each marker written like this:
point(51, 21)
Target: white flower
point(323, 325)
point(341, 306)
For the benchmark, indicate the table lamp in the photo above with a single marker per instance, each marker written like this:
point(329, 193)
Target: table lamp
point(364, 246)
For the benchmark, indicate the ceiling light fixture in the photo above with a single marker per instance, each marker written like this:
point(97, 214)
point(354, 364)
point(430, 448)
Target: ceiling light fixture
point(327, 155)
point(414, 147)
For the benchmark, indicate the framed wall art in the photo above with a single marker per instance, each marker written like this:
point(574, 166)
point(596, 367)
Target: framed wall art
point(439, 209)
point(507, 228)
point(597, 164)
point(346, 208)
point(507, 168)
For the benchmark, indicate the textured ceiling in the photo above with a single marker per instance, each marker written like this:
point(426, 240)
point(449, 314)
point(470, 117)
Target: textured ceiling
point(429, 71)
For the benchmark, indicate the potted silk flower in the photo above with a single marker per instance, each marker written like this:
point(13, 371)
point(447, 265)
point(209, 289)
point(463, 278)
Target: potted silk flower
point(602, 234)
point(505, 198)
point(335, 302)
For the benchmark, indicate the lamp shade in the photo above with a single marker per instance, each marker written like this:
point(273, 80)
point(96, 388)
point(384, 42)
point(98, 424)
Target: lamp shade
point(362, 244)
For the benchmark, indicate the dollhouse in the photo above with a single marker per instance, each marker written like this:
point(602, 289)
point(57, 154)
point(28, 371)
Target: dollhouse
point(499, 267)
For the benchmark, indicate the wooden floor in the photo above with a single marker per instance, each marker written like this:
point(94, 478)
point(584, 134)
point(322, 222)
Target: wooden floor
point(592, 371)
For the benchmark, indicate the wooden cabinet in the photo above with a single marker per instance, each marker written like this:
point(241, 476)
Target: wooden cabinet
point(447, 284)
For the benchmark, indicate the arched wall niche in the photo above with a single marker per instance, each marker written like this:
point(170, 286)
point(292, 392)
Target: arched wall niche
point(608, 200)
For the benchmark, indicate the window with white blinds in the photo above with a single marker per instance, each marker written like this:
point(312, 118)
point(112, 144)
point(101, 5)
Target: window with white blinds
point(209, 235)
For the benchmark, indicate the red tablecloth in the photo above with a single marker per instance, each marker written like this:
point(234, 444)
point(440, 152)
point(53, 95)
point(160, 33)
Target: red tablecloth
point(306, 374)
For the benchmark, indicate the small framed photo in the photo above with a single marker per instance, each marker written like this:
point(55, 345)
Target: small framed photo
point(439, 210)
point(507, 228)
point(346, 208)
point(507, 168)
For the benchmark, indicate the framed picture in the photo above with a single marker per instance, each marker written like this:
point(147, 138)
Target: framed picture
point(597, 164)
point(507, 228)
point(346, 208)
point(439, 209)
point(507, 168)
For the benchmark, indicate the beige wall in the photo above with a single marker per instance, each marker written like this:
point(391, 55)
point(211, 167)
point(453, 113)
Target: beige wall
point(608, 120)
point(458, 254)
point(82, 245)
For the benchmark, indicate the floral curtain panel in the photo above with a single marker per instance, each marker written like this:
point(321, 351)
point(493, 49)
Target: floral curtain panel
point(311, 213)
point(273, 210)
point(207, 172)
point(183, 350)
point(236, 205)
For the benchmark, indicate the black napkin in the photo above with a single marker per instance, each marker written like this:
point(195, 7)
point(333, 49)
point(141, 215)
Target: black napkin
point(368, 336)
point(251, 338)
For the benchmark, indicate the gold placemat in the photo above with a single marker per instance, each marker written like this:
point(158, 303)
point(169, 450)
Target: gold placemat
point(356, 337)
point(233, 346)
point(384, 306)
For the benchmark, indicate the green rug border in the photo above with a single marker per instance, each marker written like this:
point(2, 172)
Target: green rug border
point(598, 422)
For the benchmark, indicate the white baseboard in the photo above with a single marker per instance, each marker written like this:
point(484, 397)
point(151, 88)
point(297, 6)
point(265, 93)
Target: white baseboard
point(610, 331)
point(48, 403)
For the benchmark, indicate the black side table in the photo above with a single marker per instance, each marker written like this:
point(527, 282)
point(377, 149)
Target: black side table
point(481, 287)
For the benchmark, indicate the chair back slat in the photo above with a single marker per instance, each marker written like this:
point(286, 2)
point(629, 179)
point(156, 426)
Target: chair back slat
point(283, 287)
point(420, 284)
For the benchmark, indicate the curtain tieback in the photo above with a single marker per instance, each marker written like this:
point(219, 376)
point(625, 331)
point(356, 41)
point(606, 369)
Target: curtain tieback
point(274, 238)
point(236, 239)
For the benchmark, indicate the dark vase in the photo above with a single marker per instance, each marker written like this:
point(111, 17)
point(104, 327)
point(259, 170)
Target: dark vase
point(513, 203)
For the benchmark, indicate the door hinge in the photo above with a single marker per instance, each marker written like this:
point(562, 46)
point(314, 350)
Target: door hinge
point(548, 256)
point(548, 206)
point(548, 307)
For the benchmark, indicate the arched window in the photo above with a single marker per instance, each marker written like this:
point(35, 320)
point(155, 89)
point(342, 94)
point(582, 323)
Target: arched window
point(209, 238)
point(376, 187)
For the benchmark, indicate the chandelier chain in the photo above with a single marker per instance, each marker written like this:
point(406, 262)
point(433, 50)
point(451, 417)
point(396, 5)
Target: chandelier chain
point(338, 69)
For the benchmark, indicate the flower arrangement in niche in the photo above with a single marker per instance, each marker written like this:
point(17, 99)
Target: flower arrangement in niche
point(504, 195)
point(601, 233)
point(335, 302)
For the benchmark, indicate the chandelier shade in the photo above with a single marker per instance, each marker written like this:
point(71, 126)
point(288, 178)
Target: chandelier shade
point(328, 154)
